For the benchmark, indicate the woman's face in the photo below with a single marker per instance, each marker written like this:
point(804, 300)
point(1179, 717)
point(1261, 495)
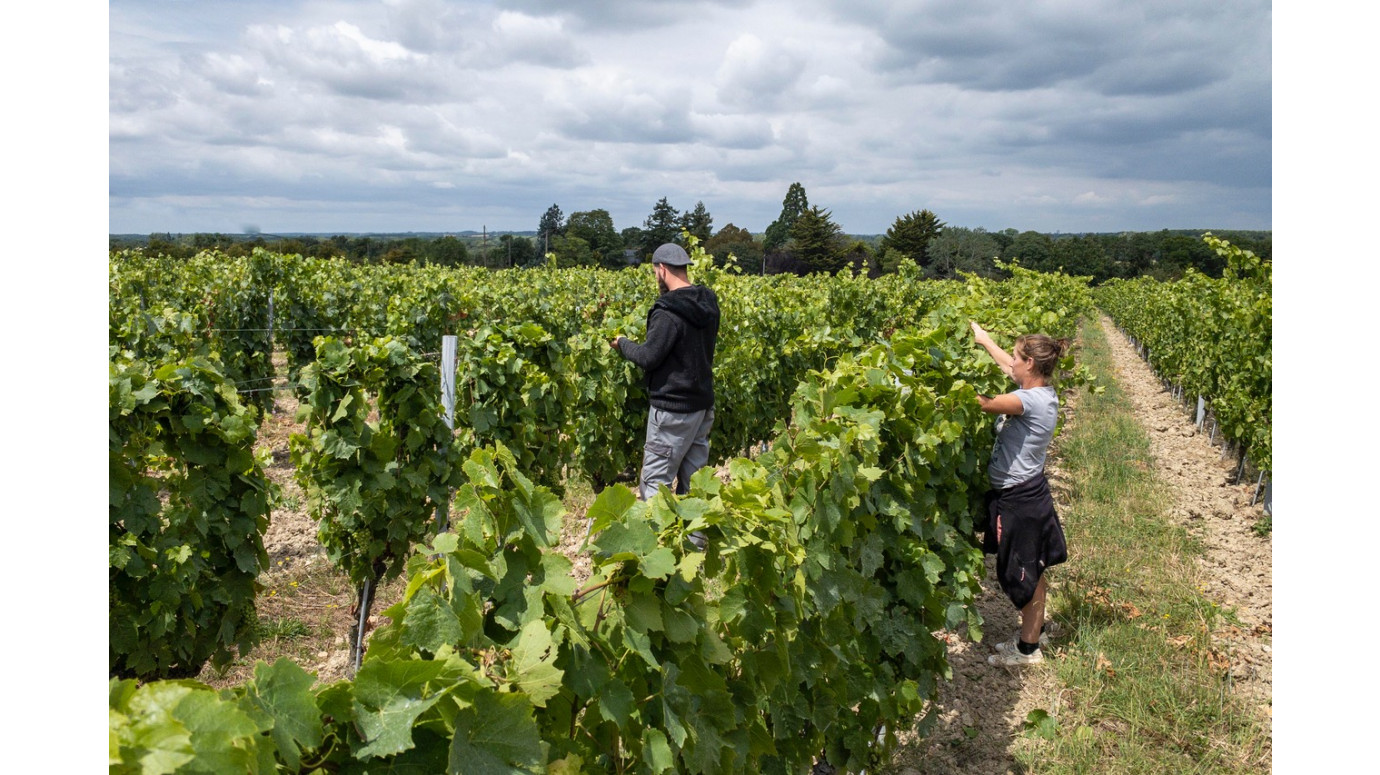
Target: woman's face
point(1021, 366)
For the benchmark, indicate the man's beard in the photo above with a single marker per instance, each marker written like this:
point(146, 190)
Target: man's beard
point(661, 283)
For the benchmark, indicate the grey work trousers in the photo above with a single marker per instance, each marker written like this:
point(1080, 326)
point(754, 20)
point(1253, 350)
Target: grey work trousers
point(677, 446)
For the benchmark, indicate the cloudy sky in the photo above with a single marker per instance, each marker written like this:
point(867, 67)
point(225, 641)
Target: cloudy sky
point(423, 115)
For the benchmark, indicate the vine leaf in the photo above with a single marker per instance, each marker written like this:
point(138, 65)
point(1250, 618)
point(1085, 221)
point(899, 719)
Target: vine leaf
point(496, 736)
point(389, 696)
point(282, 691)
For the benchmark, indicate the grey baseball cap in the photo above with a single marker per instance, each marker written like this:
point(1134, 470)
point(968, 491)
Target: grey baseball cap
point(671, 254)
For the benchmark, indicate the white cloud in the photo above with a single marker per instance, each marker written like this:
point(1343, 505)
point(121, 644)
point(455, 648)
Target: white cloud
point(757, 74)
point(341, 59)
point(379, 51)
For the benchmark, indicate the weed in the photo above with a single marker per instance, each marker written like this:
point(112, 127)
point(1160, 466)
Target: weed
point(289, 628)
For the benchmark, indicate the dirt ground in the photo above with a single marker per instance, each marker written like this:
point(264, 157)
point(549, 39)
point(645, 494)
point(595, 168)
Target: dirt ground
point(302, 588)
point(983, 709)
point(1238, 566)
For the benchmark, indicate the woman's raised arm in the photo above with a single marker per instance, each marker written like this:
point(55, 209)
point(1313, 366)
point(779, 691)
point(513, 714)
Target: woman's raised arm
point(1002, 357)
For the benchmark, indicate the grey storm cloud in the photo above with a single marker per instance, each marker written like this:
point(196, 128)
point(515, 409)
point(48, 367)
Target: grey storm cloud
point(1112, 48)
point(610, 109)
point(442, 112)
point(627, 14)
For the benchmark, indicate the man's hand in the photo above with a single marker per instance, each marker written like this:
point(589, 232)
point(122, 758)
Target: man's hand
point(614, 342)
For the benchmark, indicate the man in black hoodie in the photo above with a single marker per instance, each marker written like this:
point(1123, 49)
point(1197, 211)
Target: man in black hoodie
point(682, 329)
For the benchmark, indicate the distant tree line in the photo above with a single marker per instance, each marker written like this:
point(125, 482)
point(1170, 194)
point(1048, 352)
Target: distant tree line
point(497, 251)
point(802, 240)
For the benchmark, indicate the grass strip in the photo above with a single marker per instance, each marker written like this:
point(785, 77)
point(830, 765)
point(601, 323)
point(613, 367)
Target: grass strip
point(1143, 688)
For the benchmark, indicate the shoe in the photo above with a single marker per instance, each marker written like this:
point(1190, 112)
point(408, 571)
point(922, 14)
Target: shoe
point(1051, 629)
point(1014, 657)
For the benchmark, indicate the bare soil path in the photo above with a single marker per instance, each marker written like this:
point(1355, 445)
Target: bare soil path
point(1237, 565)
point(981, 712)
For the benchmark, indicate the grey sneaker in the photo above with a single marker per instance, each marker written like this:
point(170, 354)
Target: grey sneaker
point(1051, 629)
point(1014, 657)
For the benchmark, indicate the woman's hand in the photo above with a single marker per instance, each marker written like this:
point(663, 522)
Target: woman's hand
point(1002, 357)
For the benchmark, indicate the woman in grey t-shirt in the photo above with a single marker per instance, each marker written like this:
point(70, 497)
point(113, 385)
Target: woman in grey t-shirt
point(1023, 529)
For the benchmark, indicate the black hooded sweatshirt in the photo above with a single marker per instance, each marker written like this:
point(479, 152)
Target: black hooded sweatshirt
point(682, 329)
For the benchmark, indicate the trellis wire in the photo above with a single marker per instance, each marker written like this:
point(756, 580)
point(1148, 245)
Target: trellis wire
point(269, 389)
point(248, 330)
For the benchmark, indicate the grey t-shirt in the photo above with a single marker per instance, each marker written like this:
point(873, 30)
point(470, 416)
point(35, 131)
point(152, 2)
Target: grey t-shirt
point(1023, 439)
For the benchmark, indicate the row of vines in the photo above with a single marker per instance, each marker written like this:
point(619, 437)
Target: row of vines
point(1210, 337)
point(803, 631)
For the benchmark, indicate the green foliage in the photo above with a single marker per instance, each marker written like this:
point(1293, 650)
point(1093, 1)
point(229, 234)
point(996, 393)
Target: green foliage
point(559, 390)
point(957, 250)
point(426, 305)
point(891, 261)
point(1038, 723)
point(188, 727)
point(1212, 337)
point(1033, 249)
point(779, 230)
point(595, 228)
point(516, 251)
point(318, 298)
point(151, 318)
point(739, 243)
point(859, 259)
point(607, 399)
point(663, 225)
point(910, 235)
point(447, 251)
point(551, 226)
point(634, 239)
point(511, 388)
point(189, 503)
point(208, 304)
point(572, 251)
point(805, 628)
point(698, 222)
point(818, 241)
point(238, 306)
point(372, 481)
point(1082, 255)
